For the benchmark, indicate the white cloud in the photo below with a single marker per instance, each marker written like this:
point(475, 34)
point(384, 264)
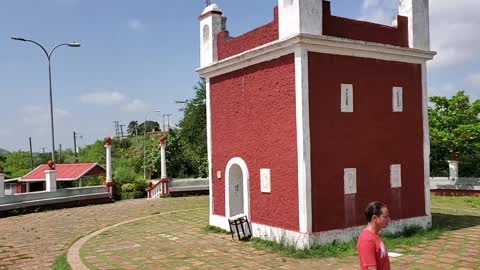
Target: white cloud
point(136, 25)
point(445, 89)
point(4, 131)
point(454, 32)
point(103, 98)
point(474, 78)
point(379, 11)
point(115, 99)
point(453, 28)
point(136, 105)
point(40, 116)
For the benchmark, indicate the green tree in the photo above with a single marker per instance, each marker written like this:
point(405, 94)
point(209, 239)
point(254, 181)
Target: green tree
point(454, 130)
point(149, 125)
point(152, 155)
point(192, 130)
point(178, 166)
point(3, 158)
point(133, 129)
point(17, 164)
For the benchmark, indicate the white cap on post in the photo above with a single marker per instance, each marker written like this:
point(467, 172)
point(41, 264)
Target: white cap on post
point(2, 185)
point(417, 12)
point(212, 22)
point(300, 16)
point(50, 178)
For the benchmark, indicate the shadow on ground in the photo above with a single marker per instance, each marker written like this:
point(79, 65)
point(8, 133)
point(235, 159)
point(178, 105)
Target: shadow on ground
point(455, 222)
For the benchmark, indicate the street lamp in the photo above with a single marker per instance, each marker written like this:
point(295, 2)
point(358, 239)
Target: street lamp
point(144, 132)
point(49, 57)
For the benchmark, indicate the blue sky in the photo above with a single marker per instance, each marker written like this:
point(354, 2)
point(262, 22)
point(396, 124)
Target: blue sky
point(137, 56)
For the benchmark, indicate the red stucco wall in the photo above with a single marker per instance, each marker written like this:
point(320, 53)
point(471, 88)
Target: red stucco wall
point(366, 31)
point(253, 117)
point(369, 139)
point(229, 46)
point(332, 26)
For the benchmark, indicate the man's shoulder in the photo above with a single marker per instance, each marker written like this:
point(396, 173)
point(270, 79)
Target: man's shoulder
point(367, 235)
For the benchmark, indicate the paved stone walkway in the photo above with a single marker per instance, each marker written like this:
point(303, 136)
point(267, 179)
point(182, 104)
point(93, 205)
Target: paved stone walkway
point(34, 241)
point(178, 241)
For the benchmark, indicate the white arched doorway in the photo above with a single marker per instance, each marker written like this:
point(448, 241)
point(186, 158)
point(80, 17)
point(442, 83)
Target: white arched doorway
point(237, 196)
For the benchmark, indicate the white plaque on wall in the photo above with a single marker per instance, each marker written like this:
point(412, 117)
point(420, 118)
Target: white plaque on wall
point(350, 180)
point(396, 175)
point(265, 180)
point(346, 98)
point(397, 99)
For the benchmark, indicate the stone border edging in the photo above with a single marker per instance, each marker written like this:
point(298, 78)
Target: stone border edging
point(73, 253)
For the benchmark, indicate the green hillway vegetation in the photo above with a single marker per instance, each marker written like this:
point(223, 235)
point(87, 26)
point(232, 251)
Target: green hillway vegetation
point(186, 151)
point(454, 130)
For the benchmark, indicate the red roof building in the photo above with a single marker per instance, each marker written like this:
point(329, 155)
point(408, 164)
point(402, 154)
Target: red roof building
point(65, 172)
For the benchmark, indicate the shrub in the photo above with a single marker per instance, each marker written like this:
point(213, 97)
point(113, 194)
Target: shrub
point(128, 187)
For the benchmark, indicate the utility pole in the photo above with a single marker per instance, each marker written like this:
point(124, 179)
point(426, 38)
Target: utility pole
point(60, 152)
point(75, 146)
point(163, 122)
point(136, 136)
point(168, 120)
point(43, 150)
point(121, 130)
point(31, 151)
point(117, 128)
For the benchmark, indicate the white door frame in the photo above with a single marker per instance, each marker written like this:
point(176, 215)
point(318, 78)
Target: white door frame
point(246, 192)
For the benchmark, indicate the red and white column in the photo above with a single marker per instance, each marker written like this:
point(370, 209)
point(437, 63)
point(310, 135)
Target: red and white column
point(108, 180)
point(50, 178)
point(163, 177)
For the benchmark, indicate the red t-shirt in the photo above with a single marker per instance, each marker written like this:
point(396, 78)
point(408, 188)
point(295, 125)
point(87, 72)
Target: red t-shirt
point(372, 251)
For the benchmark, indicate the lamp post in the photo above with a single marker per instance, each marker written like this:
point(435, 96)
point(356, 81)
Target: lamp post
point(49, 57)
point(144, 132)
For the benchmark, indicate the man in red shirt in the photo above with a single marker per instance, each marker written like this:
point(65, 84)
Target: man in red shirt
point(372, 253)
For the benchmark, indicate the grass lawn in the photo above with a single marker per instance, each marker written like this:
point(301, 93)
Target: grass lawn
point(61, 263)
point(460, 203)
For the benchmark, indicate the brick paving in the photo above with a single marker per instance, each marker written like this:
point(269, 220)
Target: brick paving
point(177, 240)
point(34, 241)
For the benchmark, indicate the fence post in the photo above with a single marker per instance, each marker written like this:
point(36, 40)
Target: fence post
point(2, 185)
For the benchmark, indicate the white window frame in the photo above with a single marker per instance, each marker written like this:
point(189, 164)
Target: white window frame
point(350, 180)
point(265, 181)
point(396, 175)
point(346, 98)
point(397, 99)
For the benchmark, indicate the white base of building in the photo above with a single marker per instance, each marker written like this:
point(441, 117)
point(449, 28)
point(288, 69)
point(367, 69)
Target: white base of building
point(306, 240)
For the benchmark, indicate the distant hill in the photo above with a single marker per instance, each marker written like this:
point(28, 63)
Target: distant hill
point(3, 151)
